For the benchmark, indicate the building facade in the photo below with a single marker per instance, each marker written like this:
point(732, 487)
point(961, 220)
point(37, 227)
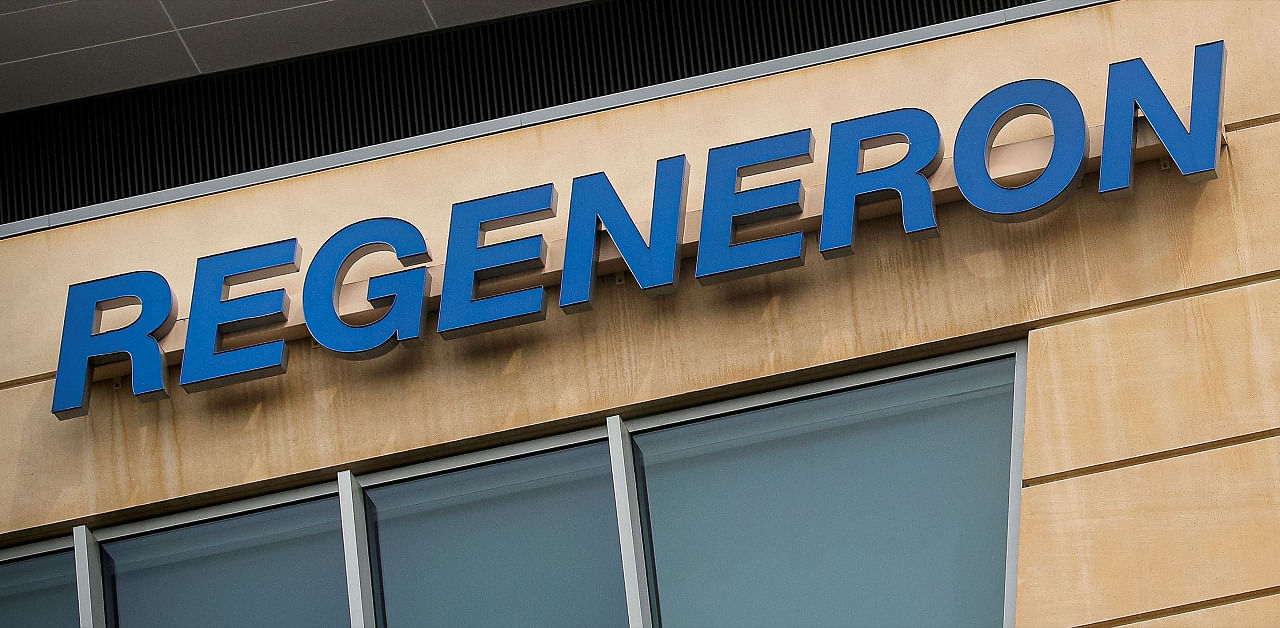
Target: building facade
point(1057, 413)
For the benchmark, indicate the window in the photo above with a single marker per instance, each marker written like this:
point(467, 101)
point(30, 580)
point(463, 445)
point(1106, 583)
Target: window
point(883, 498)
point(526, 542)
point(39, 591)
point(885, 505)
point(276, 567)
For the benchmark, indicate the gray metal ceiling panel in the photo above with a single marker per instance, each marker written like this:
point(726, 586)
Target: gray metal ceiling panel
point(41, 41)
point(9, 6)
point(71, 25)
point(91, 71)
point(186, 13)
point(302, 31)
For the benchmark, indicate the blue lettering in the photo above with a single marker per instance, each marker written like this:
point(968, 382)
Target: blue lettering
point(1195, 151)
point(985, 120)
point(907, 179)
point(461, 313)
point(594, 204)
point(204, 366)
point(403, 292)
point(84, 347)
point(726, 207)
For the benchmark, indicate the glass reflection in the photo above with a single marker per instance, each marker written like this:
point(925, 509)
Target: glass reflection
point(277, 567)
point(525, 542)
point(39, 591)
point(881, 506)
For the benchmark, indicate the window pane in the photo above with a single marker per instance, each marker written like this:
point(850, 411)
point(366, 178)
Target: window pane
point(278, 567)
point(884, 505)
point(39, 591)
point(526, 542)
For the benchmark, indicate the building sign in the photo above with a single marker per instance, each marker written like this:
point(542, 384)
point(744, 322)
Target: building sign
point(594, 208)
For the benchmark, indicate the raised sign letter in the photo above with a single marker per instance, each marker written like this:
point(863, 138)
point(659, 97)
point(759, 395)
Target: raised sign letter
point(461, 313)
point(594, 203)
point(84, 347)
point(1195, 151)
point(212, 313)
point(908, 178)
point(402, 291)
point(726, 206)
point(985, 120)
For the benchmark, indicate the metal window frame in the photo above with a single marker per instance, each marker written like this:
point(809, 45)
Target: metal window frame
point(90, 592)
point(631, 535)
point(483, 456)
point(827, 386)
point(549, 114)
point(32, 550)
point(1016, 349)
point(218, 511)
point(362, 599)
point(1017, 444)
point(616, 433)
point(44, 548)
point(93, 583)
point(355, 550)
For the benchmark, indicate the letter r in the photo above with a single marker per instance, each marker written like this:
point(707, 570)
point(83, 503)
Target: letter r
point(84, 346)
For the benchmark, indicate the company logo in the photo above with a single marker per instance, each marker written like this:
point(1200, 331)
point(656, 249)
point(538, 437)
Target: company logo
point(594, 205)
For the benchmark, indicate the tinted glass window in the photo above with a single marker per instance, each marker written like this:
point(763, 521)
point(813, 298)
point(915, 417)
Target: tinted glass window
point(884, 505)
point(525, 542)
point(39, 591)
point(278, 567)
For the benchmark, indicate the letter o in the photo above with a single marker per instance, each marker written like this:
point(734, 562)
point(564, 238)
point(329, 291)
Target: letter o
point(986, 119)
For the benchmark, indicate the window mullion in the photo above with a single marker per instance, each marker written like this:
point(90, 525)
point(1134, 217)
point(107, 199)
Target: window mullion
point(89, 590)
point(1015, 482)
point(355, 548)
point(635, 567)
